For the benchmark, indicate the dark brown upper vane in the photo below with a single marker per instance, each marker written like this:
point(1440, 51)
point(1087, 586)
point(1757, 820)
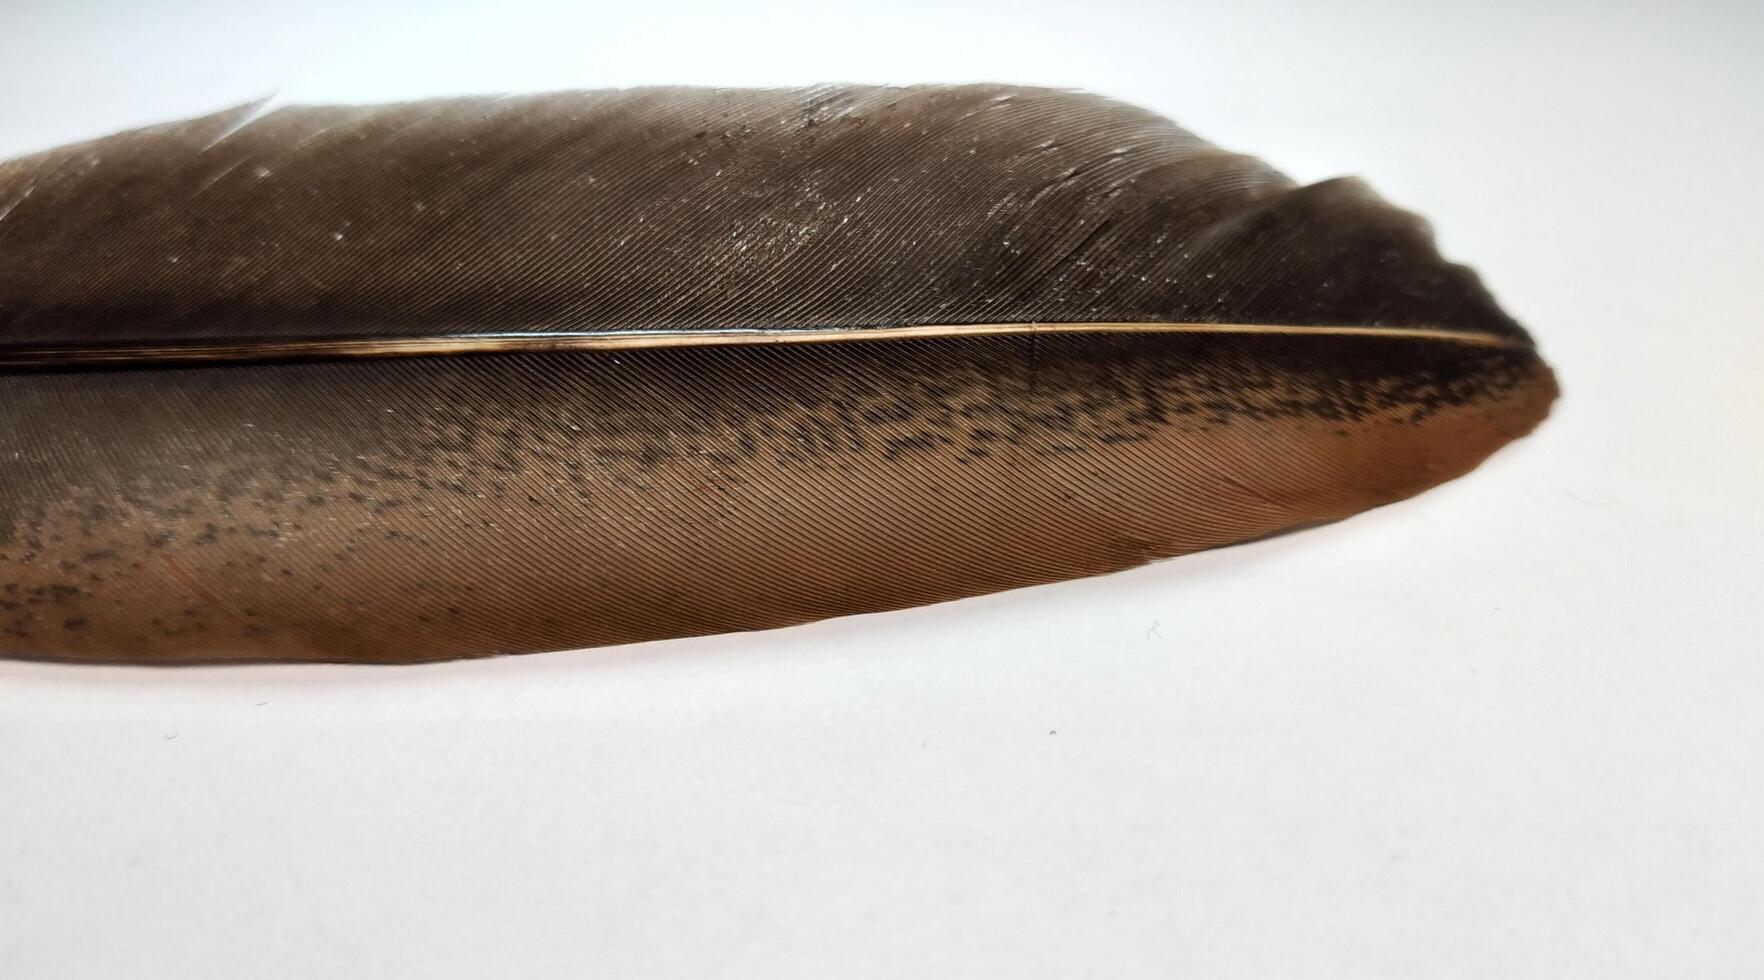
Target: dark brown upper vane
point(670, 208)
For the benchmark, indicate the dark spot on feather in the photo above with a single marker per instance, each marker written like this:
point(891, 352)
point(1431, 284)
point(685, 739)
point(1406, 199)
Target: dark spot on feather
point(59, 594)
point(897, 447)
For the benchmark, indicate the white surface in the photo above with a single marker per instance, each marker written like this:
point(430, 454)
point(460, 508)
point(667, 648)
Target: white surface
point(1514, 728)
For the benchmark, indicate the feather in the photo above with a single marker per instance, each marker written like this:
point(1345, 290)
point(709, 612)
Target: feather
point(478, 376)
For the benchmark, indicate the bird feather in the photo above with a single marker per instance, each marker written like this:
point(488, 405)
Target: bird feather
point(475, 376)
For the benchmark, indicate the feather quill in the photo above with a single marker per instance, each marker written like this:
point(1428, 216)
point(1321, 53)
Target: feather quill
point(478, 376)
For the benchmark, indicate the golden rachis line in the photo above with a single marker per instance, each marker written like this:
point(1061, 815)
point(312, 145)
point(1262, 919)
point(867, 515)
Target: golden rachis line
point(209, 351)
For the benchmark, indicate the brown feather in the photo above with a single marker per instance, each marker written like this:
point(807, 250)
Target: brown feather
point(483, 376)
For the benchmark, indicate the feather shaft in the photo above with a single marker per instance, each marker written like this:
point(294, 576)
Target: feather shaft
point(216, 352)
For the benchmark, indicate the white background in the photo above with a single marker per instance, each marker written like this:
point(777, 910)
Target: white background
point(1514, 728)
